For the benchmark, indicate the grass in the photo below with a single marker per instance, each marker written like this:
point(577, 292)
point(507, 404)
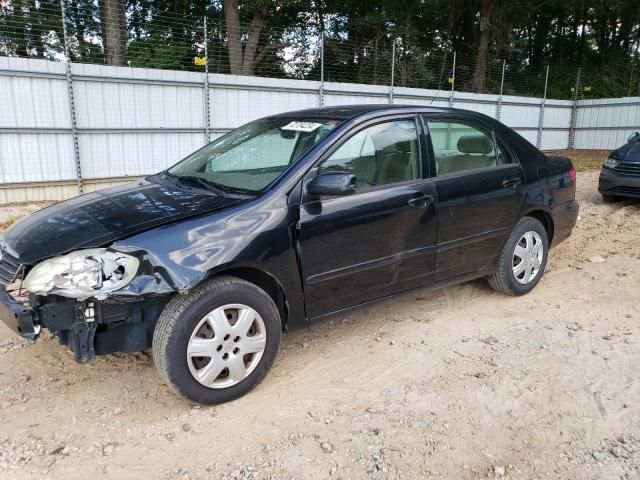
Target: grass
point(583, 159)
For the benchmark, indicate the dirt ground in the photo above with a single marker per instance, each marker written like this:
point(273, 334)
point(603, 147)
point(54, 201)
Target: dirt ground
point(459, 383)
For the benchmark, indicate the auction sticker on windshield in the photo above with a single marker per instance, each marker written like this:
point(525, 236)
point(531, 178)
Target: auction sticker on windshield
point(302, 126)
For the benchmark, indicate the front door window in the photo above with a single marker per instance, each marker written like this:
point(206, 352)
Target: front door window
point(378, 155)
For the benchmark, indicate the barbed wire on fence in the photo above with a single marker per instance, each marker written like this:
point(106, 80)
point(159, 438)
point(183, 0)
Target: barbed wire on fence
point(305, 50)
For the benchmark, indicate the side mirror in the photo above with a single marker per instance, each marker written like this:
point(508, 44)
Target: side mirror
point(634, 136)
point(332, 183)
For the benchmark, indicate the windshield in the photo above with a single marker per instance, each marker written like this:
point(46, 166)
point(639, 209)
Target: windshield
point(251, 157)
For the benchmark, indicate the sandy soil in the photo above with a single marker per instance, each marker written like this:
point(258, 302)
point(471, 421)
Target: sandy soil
point(459, 383)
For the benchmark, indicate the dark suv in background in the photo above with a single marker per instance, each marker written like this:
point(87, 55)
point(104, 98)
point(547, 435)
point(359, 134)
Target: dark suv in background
point(620, 174)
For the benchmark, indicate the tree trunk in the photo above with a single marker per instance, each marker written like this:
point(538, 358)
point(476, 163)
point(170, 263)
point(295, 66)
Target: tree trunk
point(479, 79)
point(538, 42)
point(234, 44)
point(249, 60)
point(114, 31)
point(244, 63)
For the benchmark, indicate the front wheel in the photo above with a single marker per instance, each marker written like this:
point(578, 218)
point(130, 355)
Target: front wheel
point(216, 343)
point(523, 259)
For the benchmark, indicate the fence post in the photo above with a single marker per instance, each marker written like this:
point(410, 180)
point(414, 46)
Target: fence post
point(541, 118)
point(393, 69)
point(499, 106)
point(72, 104)
point(321, 91)
point(207, 107)
point(574, 112)
point(453, 80)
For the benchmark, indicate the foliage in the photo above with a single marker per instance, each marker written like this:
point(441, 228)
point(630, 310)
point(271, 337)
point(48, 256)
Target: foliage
point(601, 37)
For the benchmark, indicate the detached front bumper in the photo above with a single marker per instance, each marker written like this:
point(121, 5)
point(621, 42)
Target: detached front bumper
point(17, 316)
point(618, 184)
point(74, 322)
point(87, 327)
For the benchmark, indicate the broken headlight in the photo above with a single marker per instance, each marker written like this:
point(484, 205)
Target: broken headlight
point(82, 274)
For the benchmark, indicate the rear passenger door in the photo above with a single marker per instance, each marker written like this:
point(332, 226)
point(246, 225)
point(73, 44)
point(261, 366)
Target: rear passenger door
point(480, 188)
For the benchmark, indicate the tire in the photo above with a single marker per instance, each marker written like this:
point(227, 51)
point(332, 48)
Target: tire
point(203, 321)
point(508, 278)
point(610, 198)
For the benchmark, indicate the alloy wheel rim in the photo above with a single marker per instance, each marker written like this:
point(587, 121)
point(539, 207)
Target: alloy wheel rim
point(527, 257)
point(226, 346)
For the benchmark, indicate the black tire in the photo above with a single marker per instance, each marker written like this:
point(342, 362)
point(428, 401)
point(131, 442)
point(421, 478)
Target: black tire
point(610, 198)
point(181, 316)
point(503, 279)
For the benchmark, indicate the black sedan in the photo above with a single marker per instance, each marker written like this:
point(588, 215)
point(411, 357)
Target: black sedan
point(282, 222)
point(620, 174)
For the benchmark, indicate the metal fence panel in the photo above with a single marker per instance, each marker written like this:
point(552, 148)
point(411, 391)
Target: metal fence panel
point(355, 94)
point(556, 120)
point(104, 105)
point(606, 123)
point(36, 157)
point(233, 104)
point(35, 125)
point(132, 154)
point(132, 122)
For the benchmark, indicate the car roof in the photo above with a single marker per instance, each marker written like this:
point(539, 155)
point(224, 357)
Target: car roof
point(344, 112)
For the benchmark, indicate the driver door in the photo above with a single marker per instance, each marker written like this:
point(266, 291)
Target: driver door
point(379, 240)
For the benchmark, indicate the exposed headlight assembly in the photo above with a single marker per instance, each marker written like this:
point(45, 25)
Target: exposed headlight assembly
point(612, 162)
point(82, 274)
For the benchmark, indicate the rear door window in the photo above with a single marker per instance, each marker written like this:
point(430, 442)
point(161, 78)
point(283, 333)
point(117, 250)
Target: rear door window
point(460, 146)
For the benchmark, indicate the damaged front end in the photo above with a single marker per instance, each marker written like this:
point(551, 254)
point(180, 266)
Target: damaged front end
point(62, 268)
point(76, 297)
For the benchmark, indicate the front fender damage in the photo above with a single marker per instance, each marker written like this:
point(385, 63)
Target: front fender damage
point(156, 276)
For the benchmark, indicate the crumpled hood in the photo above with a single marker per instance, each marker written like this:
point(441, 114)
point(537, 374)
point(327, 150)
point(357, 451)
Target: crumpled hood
point(630, 152)
point(99, 218)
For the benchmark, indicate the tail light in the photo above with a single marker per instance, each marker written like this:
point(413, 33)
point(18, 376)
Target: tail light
point(572, 174)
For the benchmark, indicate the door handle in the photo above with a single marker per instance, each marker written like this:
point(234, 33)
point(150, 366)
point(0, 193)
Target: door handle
point(511, 182)
point(423, 201)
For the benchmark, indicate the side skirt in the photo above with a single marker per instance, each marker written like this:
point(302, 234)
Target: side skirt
point(434, 286)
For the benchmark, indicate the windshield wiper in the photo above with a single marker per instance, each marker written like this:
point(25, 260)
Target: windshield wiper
point(217, 187)
point(202, 182)
point(206, 184)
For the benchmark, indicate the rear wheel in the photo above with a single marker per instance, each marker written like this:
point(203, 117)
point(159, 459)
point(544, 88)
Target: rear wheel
point(523, 259)
point(219, 341)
